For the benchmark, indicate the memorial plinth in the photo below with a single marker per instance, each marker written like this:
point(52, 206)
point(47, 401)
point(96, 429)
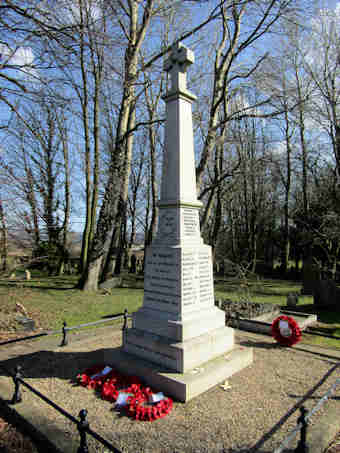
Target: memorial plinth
point(179, 330)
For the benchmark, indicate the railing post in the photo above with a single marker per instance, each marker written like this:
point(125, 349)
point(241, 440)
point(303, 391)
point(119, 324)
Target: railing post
point(17, 398)
point(126, 313)
point(82, 426)
point(64, 341)
point(302, 445)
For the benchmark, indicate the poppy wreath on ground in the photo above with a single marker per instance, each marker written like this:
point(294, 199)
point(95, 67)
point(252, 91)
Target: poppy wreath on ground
point(140, 408)
point(286, 330)
point(110, 384)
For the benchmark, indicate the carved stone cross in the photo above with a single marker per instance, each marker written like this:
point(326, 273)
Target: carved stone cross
point(180, 58)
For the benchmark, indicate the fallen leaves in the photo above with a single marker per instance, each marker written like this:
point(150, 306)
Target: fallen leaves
point(225, 386)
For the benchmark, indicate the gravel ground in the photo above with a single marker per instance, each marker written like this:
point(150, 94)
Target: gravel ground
point(255, 414)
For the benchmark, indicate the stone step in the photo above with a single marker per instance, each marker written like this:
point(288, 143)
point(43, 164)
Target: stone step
point(182, 386)
point(178, 356)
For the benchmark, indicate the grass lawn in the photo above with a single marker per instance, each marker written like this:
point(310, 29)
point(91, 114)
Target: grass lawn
point(259, 290)
point(275, 292)
point(52, 300)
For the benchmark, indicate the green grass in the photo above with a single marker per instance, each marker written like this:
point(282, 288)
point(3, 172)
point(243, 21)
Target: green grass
point(320, 341)
point(275, 292)
point(259, 290)
point(52, 300)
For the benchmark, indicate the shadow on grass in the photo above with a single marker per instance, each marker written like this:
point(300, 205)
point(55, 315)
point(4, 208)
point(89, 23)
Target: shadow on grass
point(325, 315)
point(263, 292)
point(23, 284)
point(260, 344)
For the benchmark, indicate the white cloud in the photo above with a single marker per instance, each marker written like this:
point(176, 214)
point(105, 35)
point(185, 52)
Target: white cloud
point(324, 35)
point(20, 56)
point(279, 149)
point(69, 12)
point(19, 59)
point(240, 104)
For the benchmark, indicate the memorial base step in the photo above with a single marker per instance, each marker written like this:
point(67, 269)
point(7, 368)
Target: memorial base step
point(178, 356)
point(194, 324)
point(181, 386)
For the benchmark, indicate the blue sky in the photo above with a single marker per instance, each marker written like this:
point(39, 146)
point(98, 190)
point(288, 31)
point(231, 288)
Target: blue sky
point(199, 12)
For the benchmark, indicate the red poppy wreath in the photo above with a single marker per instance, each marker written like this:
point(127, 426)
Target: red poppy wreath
point(126, 391)
point(286, 330)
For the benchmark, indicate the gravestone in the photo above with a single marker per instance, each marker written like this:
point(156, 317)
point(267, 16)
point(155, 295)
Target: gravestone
point(179, 330)
point(133, 266)
point(326, 294)
point(310, 275)
point(114, 282)
point(292, 300)
point(28, 274)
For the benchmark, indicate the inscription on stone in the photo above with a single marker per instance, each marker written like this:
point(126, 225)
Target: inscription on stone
point(161, 283)
point(190, 221)
point(167, 224)
point(178, 284)
point(190, 277)
point(197, 281)
point(206, 278)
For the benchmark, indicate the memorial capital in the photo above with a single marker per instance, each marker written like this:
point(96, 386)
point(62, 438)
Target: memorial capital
point(176, 65)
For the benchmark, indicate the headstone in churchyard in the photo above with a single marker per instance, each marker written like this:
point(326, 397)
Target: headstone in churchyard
point(179, 328)
point(326, 294)
point(310, 275)
point(28, 274)
point(133, 264)
point(292, 300)
point(113, 282)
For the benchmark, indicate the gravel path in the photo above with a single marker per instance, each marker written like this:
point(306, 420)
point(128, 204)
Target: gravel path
point(255, 414)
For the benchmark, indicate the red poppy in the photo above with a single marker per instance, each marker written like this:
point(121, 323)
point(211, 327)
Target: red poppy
point(139, 405)
point(293, 334)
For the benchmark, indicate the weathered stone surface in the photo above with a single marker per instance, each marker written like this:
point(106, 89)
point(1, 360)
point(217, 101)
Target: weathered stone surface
point(292, 300)
point(27, 323)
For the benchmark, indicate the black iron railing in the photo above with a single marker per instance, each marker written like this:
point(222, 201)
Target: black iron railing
point(66, 329)
point(82, 424)
point(302, 424)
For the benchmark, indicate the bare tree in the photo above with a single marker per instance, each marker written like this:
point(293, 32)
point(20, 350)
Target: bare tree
point(135, 20)
point(3, 240)
point(243, 23)
point(322, 63)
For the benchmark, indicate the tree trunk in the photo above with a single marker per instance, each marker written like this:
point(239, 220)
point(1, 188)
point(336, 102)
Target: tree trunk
point(152, 106)
point(91, 281)
point(67, 208)
point(85, 119)
point(287, 184)
point(120, 163)
point(3, 240)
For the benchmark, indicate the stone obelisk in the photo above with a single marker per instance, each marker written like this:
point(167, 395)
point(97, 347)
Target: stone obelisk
point(179, 327)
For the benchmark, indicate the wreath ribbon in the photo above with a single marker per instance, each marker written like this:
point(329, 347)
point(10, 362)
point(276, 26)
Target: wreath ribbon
point(139, 399)
point(286, 330)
